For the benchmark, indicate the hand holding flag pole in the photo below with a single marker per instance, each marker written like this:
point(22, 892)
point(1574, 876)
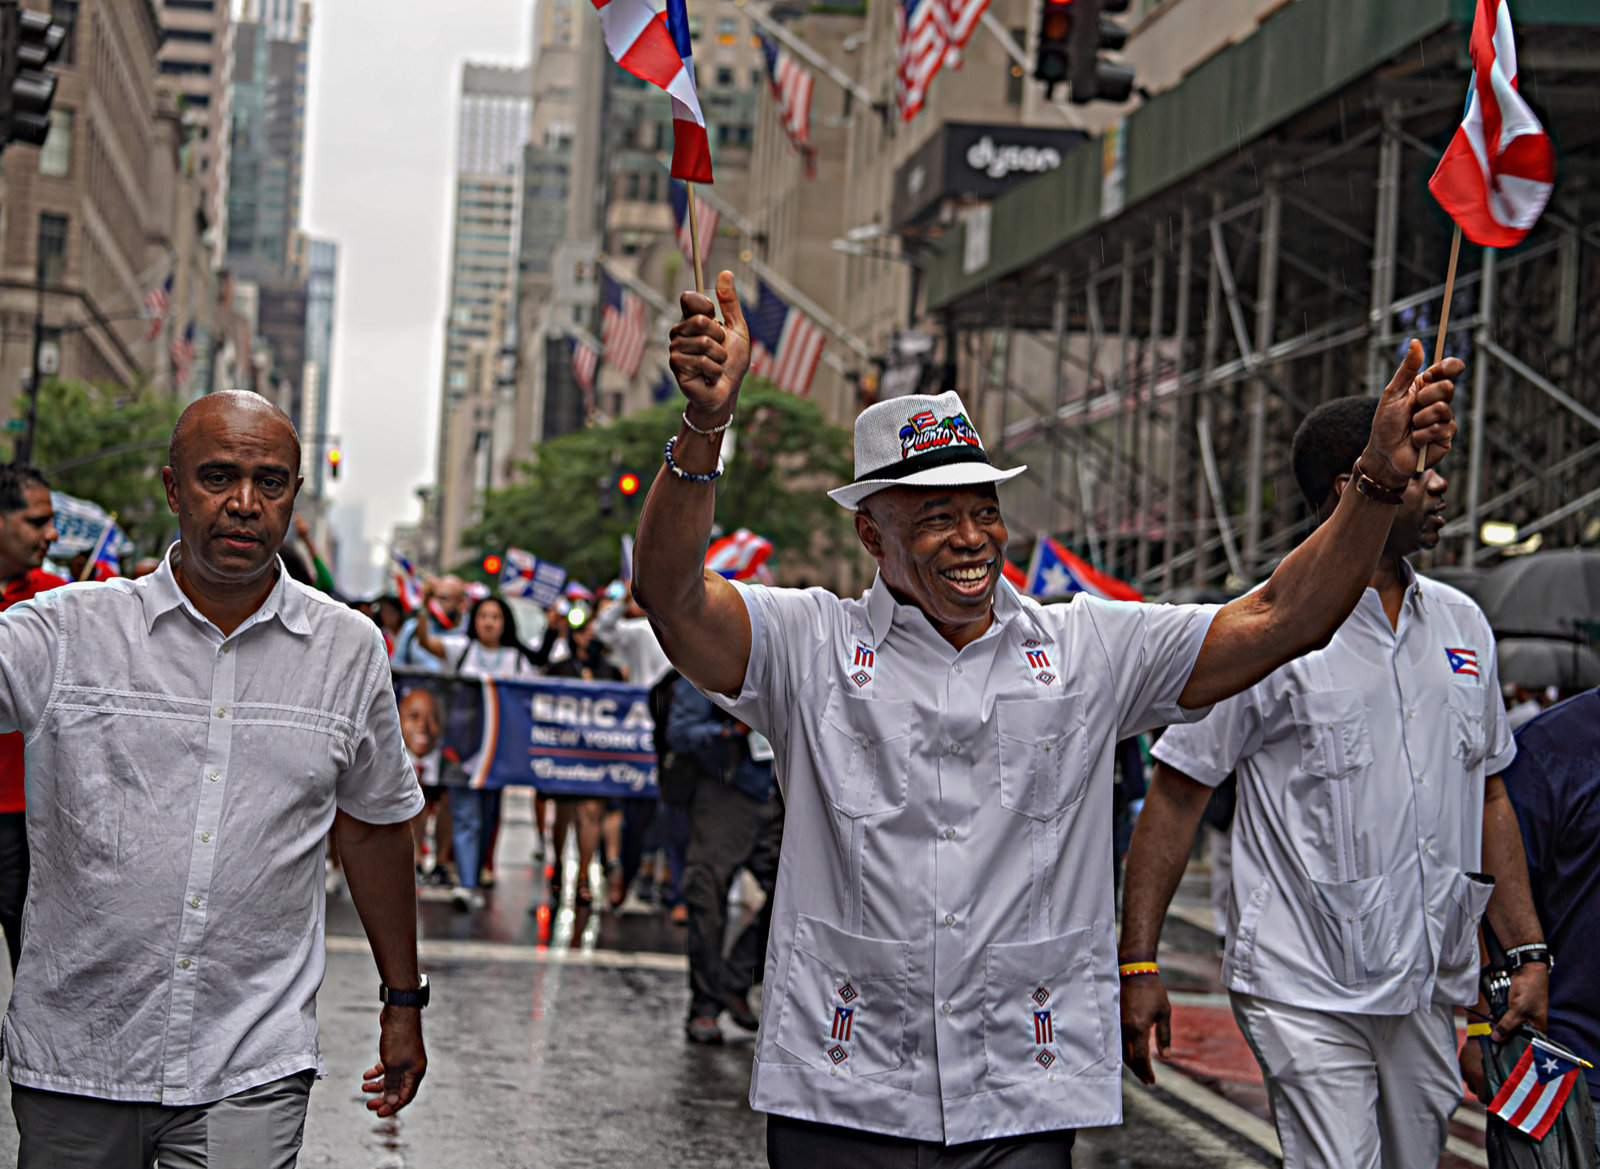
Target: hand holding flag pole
point(1499, 170)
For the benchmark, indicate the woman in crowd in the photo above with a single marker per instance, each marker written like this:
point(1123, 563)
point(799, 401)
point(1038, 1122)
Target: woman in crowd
point(489, 648)
point(586, 659)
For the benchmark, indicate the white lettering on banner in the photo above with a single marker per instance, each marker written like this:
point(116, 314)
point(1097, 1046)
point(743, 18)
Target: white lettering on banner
point(588, 712)
point(636, 778)
point(999, 161)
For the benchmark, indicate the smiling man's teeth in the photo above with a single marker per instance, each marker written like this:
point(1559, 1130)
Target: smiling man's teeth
point(968, 575)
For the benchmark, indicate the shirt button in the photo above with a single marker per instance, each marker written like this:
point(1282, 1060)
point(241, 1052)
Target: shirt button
point(184, 963)
point(206, 837)
point(222, 712)
point(227, 647)
point(949, 919)
point(214, 776)
point(945, 1008)
point(958, 667)
point(194, 903)
point(955, 748)
point(949, 833)
point(1422, 779)
point(833, 1071)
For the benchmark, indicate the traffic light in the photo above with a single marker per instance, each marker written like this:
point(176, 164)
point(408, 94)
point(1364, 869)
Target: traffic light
point(1092, 77)
point(28, 42)
point(1052, 62)
point(334, 459)
point(606, 485)
point(491, 565)
point(628, 484)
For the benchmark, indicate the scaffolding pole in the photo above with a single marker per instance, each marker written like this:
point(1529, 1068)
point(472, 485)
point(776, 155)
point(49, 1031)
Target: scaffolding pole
point(1266, 323)
point(1058, 326)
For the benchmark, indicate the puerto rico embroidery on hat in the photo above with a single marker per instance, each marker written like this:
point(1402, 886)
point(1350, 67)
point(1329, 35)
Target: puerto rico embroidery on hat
point(924, 431)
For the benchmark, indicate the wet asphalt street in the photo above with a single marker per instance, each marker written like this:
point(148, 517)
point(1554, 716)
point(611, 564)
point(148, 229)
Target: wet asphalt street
point(555, 1039)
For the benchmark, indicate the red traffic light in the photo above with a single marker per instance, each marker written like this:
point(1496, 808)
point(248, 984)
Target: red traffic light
point(491, 565)
point(334, 456)
point(628, 484)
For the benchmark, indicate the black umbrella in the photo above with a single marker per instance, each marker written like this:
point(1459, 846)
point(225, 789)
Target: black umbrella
point(1537, 662)
point(1543, 595)
point(1469, 580)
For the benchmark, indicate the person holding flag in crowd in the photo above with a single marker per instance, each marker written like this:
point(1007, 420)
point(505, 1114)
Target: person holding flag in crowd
point(944, 748)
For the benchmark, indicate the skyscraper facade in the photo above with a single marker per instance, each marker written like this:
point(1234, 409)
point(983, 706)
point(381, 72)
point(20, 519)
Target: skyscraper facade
point(196, 63)
point(271, 46)
point(495, 110)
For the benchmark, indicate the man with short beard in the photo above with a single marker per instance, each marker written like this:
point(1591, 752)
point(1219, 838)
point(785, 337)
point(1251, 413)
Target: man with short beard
point(1371, 831)
point(27, 529)
point(192, 737)
point(941, 982)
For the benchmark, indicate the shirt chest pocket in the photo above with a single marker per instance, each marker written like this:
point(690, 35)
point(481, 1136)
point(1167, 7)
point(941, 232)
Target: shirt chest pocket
point(866, 753)
point(1469, 740)
point(1335, 740)
point(1044, 763)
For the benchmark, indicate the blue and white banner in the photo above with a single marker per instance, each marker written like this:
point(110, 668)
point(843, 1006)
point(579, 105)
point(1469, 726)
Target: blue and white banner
point(562, 736)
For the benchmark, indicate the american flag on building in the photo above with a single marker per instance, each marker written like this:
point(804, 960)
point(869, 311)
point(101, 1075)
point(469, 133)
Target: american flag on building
point(785, 344)
point(929, 34)
point(182, 353)
point(157, 307)
point(791, 84)
point(706, 222)
point(624, 326)
point(585, 362)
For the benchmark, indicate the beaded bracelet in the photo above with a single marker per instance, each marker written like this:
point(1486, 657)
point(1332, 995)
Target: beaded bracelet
point(713, 432)
point(690, 476)
point(1133, 969)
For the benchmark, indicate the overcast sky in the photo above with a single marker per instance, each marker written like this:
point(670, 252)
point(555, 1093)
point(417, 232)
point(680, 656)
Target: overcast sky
point(380, 144)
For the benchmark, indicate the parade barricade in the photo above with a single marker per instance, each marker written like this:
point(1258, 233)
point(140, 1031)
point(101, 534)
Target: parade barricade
point(562, 736)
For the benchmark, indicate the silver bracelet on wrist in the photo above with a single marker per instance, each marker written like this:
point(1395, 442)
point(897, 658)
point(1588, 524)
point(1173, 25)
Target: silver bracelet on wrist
point(713, 432)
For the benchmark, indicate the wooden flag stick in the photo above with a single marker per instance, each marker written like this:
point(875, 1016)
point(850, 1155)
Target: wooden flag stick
point(1444, 325)
point(694, 244)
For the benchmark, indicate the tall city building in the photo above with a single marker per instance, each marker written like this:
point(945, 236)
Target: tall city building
point(496, 105)
point(98, 216)
point(196, 63)
point(271, 46)
point(320, 266)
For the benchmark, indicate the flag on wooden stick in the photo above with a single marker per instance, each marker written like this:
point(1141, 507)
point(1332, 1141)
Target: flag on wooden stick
point(1499, 170)
point(654, 47)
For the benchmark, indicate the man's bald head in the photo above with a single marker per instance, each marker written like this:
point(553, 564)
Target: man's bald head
point(226, 406)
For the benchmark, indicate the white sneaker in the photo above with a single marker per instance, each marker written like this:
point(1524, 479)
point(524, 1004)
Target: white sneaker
point(466, 899)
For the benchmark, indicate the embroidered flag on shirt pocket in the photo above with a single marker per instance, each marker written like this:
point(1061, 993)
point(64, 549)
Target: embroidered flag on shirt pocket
point(1463, 661)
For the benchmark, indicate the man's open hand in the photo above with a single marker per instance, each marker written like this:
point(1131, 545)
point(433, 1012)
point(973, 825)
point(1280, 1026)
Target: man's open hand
point(1413, 413)
point(710, 359)
point(393, 1080)
point(1144, 1006)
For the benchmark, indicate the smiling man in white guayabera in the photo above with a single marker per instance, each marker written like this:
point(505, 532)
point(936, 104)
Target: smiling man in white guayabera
point(942, 975)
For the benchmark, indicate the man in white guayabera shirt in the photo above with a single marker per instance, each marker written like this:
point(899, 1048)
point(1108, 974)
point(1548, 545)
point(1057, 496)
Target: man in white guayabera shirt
point(942, 980)
point(191, 738)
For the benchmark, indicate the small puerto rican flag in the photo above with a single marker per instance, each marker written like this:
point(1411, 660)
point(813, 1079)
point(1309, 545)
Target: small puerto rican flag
point(1044, 1030)
point(1537, 1088)
point(1463, 661)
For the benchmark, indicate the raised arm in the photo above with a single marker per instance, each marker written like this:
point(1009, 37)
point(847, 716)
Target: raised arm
point(1319, 583)
point(698, 616)
point(425, 636)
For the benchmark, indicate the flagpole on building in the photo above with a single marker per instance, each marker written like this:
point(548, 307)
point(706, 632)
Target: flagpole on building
point(694, 242)
point(1444, 325)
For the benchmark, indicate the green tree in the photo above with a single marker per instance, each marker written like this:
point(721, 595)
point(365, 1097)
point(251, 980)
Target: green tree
point(108, 444)
point(786, 454)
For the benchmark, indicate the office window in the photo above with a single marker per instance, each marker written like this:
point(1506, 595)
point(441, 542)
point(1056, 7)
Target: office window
point(52, 262)
point(191, 36)
point(727, 31)
point(193, 5)
point(55, 156)
point(724, 76)
point(758, 78)
point(653, 192)
point(65, 13)
point(694, 28)
point(633, 185)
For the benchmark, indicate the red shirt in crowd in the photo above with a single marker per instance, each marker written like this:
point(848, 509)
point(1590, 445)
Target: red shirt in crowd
point(35, 580)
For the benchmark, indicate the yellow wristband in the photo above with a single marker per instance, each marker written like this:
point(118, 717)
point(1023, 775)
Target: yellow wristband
point(1129, 969)
point(1478, 1030)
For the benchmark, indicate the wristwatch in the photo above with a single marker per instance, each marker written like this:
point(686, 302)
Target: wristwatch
point(390, 997)
point(1519, 956)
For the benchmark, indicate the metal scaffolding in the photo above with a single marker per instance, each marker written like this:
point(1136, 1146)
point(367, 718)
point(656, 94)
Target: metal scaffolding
point(1186, 338)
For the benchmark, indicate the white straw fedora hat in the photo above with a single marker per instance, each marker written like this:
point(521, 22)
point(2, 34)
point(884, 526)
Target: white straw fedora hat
point(920, 440)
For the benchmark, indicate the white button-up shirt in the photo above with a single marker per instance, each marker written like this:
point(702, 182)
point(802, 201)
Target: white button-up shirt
point(943, 958)
point(1361, 770)
point(180, 785)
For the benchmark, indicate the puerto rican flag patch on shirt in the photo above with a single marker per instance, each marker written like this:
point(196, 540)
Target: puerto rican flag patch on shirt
point(1463, 661)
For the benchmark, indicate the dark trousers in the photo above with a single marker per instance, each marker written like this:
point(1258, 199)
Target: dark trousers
point(802, 1144)
point(728, 830)
point(13, 879)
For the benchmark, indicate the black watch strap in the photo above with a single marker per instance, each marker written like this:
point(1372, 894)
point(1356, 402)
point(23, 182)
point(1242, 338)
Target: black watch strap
point(390, 997)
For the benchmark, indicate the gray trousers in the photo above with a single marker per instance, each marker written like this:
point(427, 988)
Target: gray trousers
point(259, 1128)
point(802, 1144)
